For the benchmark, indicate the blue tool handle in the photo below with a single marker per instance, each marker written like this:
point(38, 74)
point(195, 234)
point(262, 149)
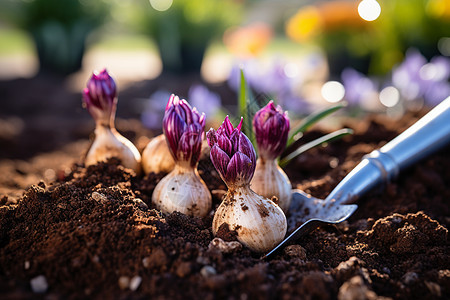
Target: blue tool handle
point(429, 134)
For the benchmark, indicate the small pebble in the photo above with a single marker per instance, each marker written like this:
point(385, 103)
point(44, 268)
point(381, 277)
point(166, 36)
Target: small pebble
point(39, 284)
point(334, 162)
point(410, 278)
point(146, 262)
point(355, 289)
point(99, 197)
point(207, 271)
point(295, 251)
point(124, 282)
point(135, 282)
point(434, 288)
point(397, 219)
point(141, 204)
point(351, 268)
point(224, 247)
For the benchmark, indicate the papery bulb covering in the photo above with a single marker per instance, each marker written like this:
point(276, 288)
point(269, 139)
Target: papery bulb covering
point(271, 181)
point(232, 154)
point(184, 130)
point(271, 126)
point(100, 97)
point(259, 223)
point(182, 189)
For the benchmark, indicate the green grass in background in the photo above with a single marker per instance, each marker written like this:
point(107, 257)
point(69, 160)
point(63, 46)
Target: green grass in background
point(123, 42)
point(15, 41)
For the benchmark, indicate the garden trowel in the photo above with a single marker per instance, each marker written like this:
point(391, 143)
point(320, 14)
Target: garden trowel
point(429, 134)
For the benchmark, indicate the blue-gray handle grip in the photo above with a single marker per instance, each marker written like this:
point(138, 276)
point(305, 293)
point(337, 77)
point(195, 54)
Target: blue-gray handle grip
point(429, 134)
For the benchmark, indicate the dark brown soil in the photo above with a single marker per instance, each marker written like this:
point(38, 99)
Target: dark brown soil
point(93, 233)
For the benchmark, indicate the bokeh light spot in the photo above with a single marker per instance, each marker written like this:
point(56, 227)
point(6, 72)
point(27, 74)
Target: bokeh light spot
point(444, 46)
point(389, 96)
point(369, 10)
point(333, 91)
point(428, 72)
point(161, 5)
point(291, 70)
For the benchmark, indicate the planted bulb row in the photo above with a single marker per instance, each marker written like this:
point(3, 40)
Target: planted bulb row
point(258, 189)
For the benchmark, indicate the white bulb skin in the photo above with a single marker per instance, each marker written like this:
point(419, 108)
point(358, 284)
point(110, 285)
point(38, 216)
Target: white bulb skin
point(109, 143)
point(260, 224)
point(183, 190)
point(156, 156)
point(270, 180)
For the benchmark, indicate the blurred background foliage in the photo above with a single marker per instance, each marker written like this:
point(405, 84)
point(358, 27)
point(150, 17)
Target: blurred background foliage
point(292, 50)
point(371, 47)
point(59, 29)
point(183, 31)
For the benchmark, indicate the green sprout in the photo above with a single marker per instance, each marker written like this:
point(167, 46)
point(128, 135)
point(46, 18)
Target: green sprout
point(247, 107)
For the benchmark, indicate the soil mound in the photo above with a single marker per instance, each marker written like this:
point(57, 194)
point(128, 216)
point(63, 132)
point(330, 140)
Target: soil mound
point(93, 233)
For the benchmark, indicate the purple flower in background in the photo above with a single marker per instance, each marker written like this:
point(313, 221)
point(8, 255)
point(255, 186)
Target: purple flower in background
point(358, 88)
point(416, 78)
point(437, 92)
point(272, 81)
point(440, 68)
point(435, 77)
point(271, 126)
point(153, 113)
point(406, 77)
point(204, 100)
point(278, 85)
point(232, 154)
point(184, 128)
point(100, 96)
point(252, 74)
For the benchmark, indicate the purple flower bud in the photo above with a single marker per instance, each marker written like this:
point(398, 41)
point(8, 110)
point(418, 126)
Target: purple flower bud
point(232, 154)
point(184, 129)
point(100, 96)
point(271, 127)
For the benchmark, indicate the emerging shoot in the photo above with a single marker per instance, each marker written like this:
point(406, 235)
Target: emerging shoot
point(182, 189)
point(100, 99)
point(260, 224)
point(271, 127)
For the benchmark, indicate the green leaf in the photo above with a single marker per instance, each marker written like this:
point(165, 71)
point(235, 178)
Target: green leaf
point(245, 108)
point(242, 95)
point(317, 142)
point(310, 121)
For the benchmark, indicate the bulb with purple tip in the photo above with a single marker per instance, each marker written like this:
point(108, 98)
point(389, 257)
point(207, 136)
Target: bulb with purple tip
point(100, 99)
point(271, 126)
point(182, 189)
point(260, 224)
